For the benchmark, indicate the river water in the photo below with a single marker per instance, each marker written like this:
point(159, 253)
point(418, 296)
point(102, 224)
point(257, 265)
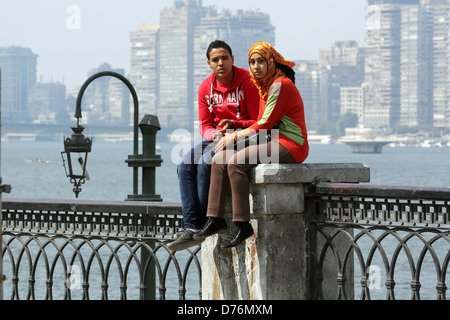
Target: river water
point(34, 169)
point(111, 178)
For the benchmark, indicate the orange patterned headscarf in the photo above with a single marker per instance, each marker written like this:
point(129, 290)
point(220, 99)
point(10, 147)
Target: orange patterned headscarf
point(271, 56)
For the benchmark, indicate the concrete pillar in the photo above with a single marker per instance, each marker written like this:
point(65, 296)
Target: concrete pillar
point(274, 264)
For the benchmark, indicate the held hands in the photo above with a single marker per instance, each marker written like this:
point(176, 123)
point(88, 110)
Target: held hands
point(217, 135)
point(226, 125)
point(222, 137)
point(224, 142)
point(230, 138)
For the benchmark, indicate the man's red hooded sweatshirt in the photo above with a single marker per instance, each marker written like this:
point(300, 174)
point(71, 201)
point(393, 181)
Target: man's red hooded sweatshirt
point(237, 101)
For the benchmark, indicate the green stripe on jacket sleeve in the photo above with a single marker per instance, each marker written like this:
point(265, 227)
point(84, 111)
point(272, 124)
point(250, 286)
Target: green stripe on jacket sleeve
point(272, 100)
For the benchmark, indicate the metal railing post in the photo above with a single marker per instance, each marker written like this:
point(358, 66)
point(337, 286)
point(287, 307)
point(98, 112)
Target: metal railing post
point(6, 189)
point(148, 160)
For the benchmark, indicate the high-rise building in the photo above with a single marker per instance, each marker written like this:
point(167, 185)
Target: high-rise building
point(308, 81)
point(177, 62)
point(342, 65)
point(416, 61)
point(186, 30)
point(382, 63)
point(353, 101)
point(342, 53)
point(47, 103)
point(407, 63)
point(382, 72)
point(441, 63)
point(19, 70)
point(144, 68)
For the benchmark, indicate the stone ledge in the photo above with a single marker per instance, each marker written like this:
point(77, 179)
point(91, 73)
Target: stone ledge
point(279, 188)
point(309, 172)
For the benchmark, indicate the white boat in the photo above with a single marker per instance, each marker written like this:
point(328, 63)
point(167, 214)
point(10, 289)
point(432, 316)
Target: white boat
point(36, 160)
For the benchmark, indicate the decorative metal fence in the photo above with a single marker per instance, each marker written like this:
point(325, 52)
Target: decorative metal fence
point(95, 250)
point(373, 233)
point(383, 242)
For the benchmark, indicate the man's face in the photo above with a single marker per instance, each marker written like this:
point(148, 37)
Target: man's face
point(221, 63)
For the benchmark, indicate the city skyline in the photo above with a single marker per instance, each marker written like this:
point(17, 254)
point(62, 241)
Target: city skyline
point(72, 37)
point(398, 77)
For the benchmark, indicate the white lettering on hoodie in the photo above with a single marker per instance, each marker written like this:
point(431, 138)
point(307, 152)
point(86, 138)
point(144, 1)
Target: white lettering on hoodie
point(231, 100)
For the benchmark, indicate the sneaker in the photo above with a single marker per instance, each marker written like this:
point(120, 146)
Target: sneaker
point(184, 239)
point(212, 226)
point(178, 234)
point(240, 232)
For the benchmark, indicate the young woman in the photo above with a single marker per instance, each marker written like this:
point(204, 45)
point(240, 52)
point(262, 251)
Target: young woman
point(281, 106)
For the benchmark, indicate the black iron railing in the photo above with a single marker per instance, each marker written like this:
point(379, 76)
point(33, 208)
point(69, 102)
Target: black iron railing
point(95, 250)
point(388, 237)
point(384, 242)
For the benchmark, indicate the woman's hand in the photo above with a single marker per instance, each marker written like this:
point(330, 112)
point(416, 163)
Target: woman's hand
point(217, 135)
point(226, 125)
point(223, 143)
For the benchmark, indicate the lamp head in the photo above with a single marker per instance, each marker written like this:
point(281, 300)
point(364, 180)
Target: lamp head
point(77, 146)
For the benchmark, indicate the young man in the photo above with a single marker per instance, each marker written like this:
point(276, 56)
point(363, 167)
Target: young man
point(227, 100)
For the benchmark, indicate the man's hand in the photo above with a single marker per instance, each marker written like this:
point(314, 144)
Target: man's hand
point(226, 125)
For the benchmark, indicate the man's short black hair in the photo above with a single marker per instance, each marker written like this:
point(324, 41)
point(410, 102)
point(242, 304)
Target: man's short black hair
point(216, 45)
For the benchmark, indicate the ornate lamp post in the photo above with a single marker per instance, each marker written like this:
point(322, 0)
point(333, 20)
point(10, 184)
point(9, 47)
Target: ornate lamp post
point(148, 161)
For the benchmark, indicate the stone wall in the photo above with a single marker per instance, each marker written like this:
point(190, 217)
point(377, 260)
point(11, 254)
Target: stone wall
point(275, 263)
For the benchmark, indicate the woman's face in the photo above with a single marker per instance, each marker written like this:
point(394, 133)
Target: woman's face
point(258, 65)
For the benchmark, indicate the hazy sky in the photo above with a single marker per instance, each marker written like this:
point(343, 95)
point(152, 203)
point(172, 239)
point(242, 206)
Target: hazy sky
point(73, 36)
